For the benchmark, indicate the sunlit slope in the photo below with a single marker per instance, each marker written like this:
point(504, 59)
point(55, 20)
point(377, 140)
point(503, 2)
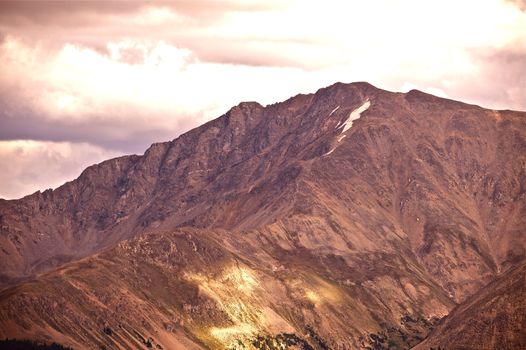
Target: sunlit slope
point(186, 288)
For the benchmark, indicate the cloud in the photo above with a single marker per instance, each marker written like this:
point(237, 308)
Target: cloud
point(502, 78)
point(139, 93)
point(67, 13)
point(42, 165)
point(519, 3)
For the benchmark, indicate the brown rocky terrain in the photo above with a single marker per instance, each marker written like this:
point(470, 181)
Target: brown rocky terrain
point(186, 289)
point(297, 224)
point(493, 318)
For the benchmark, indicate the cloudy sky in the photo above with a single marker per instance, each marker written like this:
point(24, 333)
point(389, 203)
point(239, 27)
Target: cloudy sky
point(83, 81)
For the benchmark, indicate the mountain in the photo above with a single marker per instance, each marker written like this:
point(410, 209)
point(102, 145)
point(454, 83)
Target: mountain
point(349, 218)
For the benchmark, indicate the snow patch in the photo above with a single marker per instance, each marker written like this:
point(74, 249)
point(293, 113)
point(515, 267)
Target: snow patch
point(334, 110)
point(341, 138)
point(355, 115)
point(332, 150)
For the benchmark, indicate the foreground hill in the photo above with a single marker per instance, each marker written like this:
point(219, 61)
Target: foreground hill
point(347, 218)
point(493, 318)
point(191, 289)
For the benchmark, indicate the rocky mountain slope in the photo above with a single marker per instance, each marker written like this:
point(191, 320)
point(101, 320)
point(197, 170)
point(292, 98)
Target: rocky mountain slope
point(351, 217)
point(493, 318)
point(189, 289)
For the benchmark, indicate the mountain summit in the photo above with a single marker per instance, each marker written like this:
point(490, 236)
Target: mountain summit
point(350, 218)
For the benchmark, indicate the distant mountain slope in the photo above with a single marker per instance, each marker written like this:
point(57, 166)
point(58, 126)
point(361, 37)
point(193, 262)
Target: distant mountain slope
point(390, 198)
point(493, 318)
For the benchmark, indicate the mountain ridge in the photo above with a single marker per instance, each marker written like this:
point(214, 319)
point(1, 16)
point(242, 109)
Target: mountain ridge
point(420, 198)
point(157, 153)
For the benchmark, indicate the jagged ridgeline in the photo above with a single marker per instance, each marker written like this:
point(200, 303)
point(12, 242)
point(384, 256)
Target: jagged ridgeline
point(351, 218)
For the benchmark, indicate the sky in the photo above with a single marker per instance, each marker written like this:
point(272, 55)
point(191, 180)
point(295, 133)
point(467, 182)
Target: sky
point(84, 81)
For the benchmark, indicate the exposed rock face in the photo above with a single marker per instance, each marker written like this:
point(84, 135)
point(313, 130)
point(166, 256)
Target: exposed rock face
point(391, 206)
point(493, 318)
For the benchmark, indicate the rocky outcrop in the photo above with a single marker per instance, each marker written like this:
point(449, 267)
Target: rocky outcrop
point(493, 318)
